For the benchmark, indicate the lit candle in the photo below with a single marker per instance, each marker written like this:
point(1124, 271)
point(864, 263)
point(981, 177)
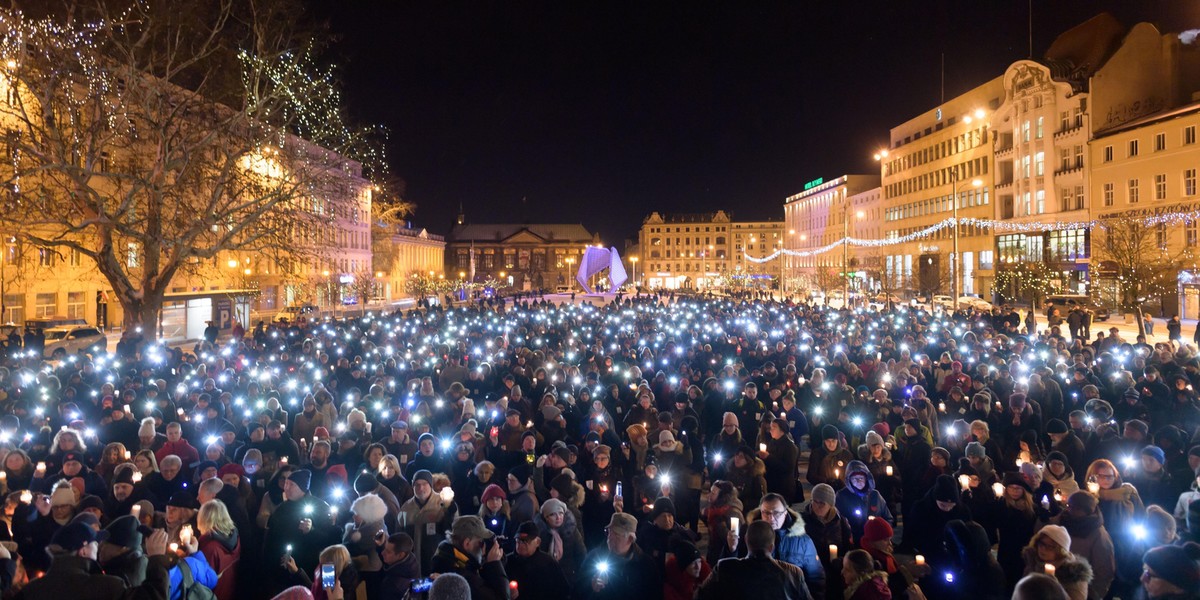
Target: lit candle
point(888, 470)
point(734, 524)
point(137, 476)
point(762, 447)
point(137, 511)
point(998, 489)
point(1093, 487)
point(920, 559)
point(283, 460)
point(128, 455)
point(833, 552)
point(837, 473)
point(1050, 569)
point(26, 497)
point(41, 468)
point(3, 475)
point(174, 547)
point(964, 481)
point(185, 534)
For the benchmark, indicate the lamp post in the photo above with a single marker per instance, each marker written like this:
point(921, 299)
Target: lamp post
point(954, 183)
point(634, 261)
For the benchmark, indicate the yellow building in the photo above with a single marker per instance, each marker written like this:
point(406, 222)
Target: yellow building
point(685, 250)
point(757, 239)
point(539, 256)
point(824, 213)
point(941, 154)
point(402, 251)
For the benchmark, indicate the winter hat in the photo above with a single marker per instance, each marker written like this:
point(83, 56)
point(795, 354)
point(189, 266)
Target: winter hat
point(183, 500)
point(942, 452)
point(874, 439)
point(321, 433)
point(1083, 501)
point(1138, 425)
point(124, 475)
point(829, 432)
point(73, 536)
point(521, 473)
point(685, 552)
point(1016, 479)
point(1178, 565)
point(231, 469)
point(492, 491)
point(365, 483)
point(146, 429)
point(1058, 534)
point(127, 532)
point(882, 429)
point(875, 530)
point(147, 507)
point(553, 505)
point(1155, 452)
point(62, 496)
point(1017, 401)
point(915, 424)
point(623, 523)
point(370, 508)
point(823, 492)
point(426, 476)
point(666, 440)
point(662, 505)
point(87, 518)
point(1131, 393)
point(91, 501)
point(976, 450)
point(1056, 426)
point(601, 449)
point(945, 489)
point(965, 468)
point(551, 412)
point(1098, 409)
point(302, 479)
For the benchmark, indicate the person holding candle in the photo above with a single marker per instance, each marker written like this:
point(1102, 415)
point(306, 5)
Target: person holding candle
point(1089, 540)
point(1121, 506)
point(827, 527)
point(760, 575)
point(924, 525)
point(1016, 516)
point(825, 458)
point(792, 544)
point(537, 574)
point(723, 506)
point(779, 459)
point(1049, 552)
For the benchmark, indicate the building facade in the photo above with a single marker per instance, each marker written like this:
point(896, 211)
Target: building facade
point(757, 239)
point(402, 251)
point(519, 256)
point(685, 250)
point(822, 214)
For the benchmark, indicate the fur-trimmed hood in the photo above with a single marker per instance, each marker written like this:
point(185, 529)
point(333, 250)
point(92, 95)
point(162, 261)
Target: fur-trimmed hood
point(370, 508)
point(794, 529)
point(864, 454)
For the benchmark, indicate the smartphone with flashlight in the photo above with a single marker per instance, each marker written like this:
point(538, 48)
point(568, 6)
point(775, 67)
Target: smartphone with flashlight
point(618, 494)
point(328, 579)
point(420, 586)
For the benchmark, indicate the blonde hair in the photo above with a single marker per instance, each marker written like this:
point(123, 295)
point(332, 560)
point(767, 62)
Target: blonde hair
point(149, 454)
point(336, 555)
point(80, 446)
point(213, 516)
point(389, 461)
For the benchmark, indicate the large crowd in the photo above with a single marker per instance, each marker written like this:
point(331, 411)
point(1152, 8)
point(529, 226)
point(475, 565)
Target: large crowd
point(648, 447)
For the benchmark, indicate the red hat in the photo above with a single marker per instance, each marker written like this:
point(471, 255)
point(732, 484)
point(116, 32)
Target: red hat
point(883, 429)
point(492, 491)
point(336, 475)
point(321, 433)
point(876, 530)
point(233, 468)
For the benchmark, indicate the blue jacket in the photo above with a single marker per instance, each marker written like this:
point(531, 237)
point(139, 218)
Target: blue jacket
point(858, 507)
point(202, 574)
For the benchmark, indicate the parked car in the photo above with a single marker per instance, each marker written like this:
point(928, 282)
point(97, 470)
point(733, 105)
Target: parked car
point(61, 341)
point(881, 301)
point(975, 302)
point(946, 302)
point(1066, 302)
point(292, 314)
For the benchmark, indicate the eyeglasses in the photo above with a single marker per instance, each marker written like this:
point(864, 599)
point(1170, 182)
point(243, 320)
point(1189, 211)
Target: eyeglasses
point(775, 513)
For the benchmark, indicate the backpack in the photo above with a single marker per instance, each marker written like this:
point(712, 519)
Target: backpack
point(189, 589)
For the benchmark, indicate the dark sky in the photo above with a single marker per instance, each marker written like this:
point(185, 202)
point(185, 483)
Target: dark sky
point(601, 111)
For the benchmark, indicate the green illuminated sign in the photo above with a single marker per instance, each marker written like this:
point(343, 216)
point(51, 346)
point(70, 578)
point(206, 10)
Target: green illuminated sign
point(814, 183)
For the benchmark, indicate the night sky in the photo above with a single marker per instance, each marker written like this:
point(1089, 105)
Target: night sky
point(600, 112)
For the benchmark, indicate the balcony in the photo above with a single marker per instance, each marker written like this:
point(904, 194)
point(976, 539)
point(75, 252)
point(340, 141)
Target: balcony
point(1004, 185)
point(1062, 133)
point(1068, 169)
point(1005, 152)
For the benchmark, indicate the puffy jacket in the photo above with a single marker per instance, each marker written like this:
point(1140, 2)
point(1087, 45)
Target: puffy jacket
point(223, 553)
point(858, 506)
point(202, 574)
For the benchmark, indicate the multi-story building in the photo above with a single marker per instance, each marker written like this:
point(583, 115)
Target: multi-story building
point(757, 239)
point(521, 256)
point(939, 164)
point(685, 250)
point(1144, 156)
point(402, 251)
point(822, 214)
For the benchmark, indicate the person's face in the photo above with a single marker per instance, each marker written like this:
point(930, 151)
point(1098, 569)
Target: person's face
point(1047, 549)
point(831, 445)
point(273, 433)
point(62, 512)
point(422, 490)
point(291, 491)
point(390, 554)
point(67, 442)
point(1105, 477)
point(884, 546)
point(1156, 586)
point(71, 468)
point(173, 434)
point(494, 504)
point(776, 431)
point(319, 455)
point(231, 479)
point(169, 471)
point(426, 448)
point(374, 457)
point(619, 542)
point(1014, 491)
point(858, 480)
point(14, 462)
point(528, 545)
point(739, 460)
point(820, 508)
point(555, 519)
point(752, 393)
point(1150, 465)
point(774, 513)
point(177, 516)
point(876, 451)
point(665, 521)
point(848, 572)
point(1057, 468)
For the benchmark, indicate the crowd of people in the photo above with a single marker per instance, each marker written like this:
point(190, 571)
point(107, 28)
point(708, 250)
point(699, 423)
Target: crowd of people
point(649, 447)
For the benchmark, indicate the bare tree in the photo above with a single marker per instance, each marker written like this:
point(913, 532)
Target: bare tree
point(1138, 253)
point(1028, 280)
point(827, 279)
point(152, 136)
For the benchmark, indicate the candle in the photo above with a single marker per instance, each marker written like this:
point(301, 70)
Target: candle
point(174, 547)
point(1093, 487)
point(920, 559)
point(964, 481)
point(127, 408)
point(837, 473)
point(833, 552)
point(41, 467)
point(888, 470)
point(137, 476)
point(283, 460)
point(185, 534)
point(1057, 496)
point(1050, 569)
point(998, 489)
point(3, 475)
point(137, 511)
point(734, 524)
point(762, 447)
point(128, 455)
point(941, 407)
point(26, 497)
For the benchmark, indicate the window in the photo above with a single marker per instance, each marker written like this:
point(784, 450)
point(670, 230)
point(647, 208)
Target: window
point(45, 257)
point(75, 257)
point(75, 305)
point(1189, 182)
point(1067, 199)
point(1025, 131)
point(985, 259)
point(1189, 233)
point(131, 255)
point(1025, 167)
point(44, 305)
point(1108, 194)
point(1064, 120)
point(1064, 159)
point(1160, 187)
point(1108, 154)
point(1160, 236)
point(1040, 201)
point(1133, 191)
point(1078, 198)
point(1068, 245)
point(1133, 148)
point(1078, 156)
point(14, 308)
point(1040, 123)
point(1160, 142)
point(1039, 162)
point(1189, 135)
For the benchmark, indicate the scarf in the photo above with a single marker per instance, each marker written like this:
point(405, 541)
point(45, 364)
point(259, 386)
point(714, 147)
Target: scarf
point(556, 545)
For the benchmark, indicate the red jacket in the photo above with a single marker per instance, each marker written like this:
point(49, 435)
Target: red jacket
point(185, 451)
point(875, 588)
point(223, 559)
point(678, 584)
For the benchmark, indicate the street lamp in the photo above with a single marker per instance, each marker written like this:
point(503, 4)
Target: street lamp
point(954, 183)
point(634, 260)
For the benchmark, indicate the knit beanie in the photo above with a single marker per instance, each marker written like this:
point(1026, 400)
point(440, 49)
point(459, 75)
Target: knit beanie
point(302, 479)
point(553, 505)
point(1056, 426)
point(823, 492)
point(1057, 533)
point(492, 491)
point(564, 484)
point(976, 450)
point(874, 439)
point(62, 496)
point(366, 482)
point(945, 489)
point(423, 475)
point(146, 429)
point(521, 473)
point(875, 530)
point(1155, 452)
point(1178, 565)
point(829, 432)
